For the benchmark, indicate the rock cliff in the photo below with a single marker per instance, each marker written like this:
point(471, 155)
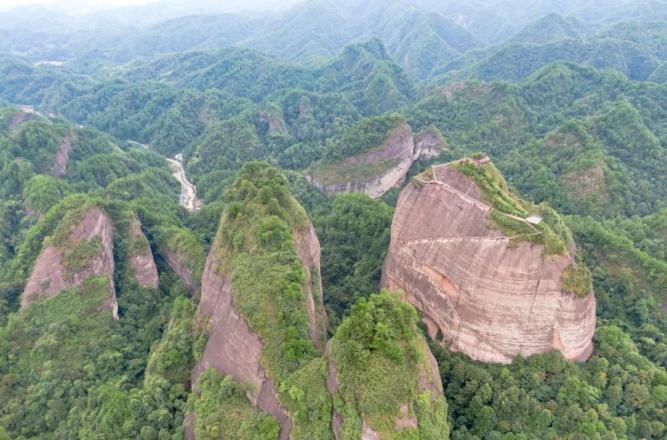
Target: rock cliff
point(484, 291)
point(232, 347)
point(261, 290)
point(376, 171)
point(141, 257)
point(85, 249)
point(59, 168)
point(184, 254)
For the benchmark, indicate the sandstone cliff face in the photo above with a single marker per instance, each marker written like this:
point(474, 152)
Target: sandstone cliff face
point(308, 248)
point(51, 273)
point(397, 151)
point(176, 261)
point(428, 144)
point(141, 261)
point(233, 348)
point(481, 294)
point(59, 168)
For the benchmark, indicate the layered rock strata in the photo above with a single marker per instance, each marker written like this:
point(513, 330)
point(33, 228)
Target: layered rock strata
point(51, 272)
point(482, 293)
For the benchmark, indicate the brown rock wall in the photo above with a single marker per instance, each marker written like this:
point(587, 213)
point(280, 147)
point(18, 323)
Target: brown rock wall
point(50, 276)
point(489, 298)
point(142, 262)
point(308, 248)
point(399, 148)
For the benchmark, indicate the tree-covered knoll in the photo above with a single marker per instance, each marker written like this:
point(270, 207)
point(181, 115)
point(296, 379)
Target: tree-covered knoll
point(381, 363)
point(585, 141)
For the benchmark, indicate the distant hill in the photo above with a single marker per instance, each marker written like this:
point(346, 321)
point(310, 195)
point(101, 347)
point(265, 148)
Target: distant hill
point(551, 28)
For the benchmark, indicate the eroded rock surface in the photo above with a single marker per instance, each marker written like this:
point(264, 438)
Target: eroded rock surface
point(51, 273)
point(232, 347)
point(428, 144)
point(396, 153)
point(308, 248)
point(59, 168)
point(481, 294)
point(176, 261)
point(141, 260)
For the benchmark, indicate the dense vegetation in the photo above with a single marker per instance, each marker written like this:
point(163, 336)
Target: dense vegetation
point(569, 101)
point(381, 359)
point(257, 241)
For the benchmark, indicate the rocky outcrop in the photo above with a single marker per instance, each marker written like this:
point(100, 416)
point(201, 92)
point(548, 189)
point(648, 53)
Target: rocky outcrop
point(141, 257)
point(428, 144)
point(361, 173)
point(308, 247)
point(20, 117)
point(482, 293)
point(382, 168)
point(273, 120)
point(232, 347)
point(59, 168)
point(383, 378)
point(177, 261)
point(87, 252)
point(428, 380)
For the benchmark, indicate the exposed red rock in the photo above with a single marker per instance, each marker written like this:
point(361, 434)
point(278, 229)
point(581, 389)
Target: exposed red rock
point(397, 151)
point(50, 275)
point(308, 248)
point(481, 294)
point(141, 260)
point(176, 261)
point(20, 117)
point(232, 347)
point(428, 144)
point(59, 168)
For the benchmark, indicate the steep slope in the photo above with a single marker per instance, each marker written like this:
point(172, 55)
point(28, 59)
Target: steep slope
point(373, 156)
point(141, 259)
point(383, 376)
point(492, 282)
point(184, 253)
point(261, 302)
point(81, 249)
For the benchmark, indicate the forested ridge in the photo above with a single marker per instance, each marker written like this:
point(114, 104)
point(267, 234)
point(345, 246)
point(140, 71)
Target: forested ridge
point(569, 102)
